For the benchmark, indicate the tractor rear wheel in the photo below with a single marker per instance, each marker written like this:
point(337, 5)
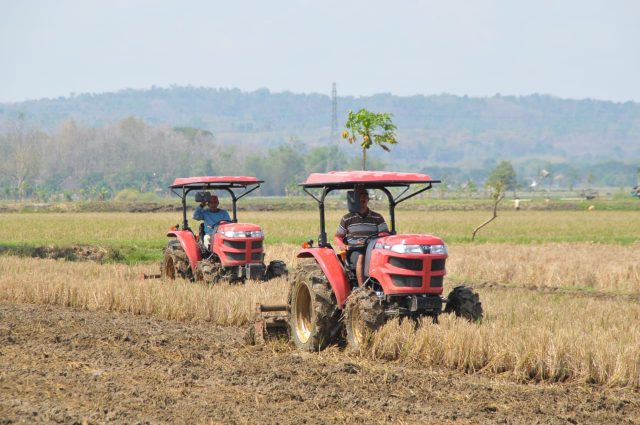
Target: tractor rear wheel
point(363, 315)
point(168, 268)
point(175, 263)
point(463, 302)
point(314, 315)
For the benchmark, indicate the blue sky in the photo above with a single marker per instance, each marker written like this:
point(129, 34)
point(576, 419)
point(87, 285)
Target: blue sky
point(569, 49)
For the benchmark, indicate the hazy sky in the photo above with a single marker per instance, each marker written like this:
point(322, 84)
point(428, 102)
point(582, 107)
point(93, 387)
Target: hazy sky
point(567, 48)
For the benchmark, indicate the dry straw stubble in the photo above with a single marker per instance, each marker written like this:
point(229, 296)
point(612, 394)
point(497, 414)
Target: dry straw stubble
point(530, 335)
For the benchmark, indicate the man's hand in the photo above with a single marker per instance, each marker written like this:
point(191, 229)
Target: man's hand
point(339, 243)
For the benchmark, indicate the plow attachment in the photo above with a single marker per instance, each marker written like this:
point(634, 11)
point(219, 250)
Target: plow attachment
point(270, 322)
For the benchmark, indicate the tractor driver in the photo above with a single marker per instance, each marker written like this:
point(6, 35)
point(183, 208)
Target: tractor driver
point(355, 228)
point(212, 216)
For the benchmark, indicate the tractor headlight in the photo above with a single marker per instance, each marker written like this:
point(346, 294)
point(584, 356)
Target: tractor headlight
point(437, 249)
point(253, 234)
point(231, 234)
point(414, 249)
point(406, 249)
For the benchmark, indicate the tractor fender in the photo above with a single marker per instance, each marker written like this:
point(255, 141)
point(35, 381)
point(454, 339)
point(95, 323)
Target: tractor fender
point(332, 269)
point(189, 245)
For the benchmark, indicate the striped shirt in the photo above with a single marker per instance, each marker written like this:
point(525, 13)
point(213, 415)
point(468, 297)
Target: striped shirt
point(355, 228)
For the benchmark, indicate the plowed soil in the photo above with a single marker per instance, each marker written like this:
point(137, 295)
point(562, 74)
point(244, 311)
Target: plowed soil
point(60, 365)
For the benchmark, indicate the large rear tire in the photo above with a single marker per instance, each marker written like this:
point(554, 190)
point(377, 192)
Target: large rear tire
point(363, 315)
point(168, 267)
point(314, 315)
point(463, 302)
point(175, 263)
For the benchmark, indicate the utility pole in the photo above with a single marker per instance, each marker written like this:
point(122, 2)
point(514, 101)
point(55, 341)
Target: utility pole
point(334, 113)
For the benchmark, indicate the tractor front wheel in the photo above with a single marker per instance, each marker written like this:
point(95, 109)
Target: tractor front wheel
point(208, 272)
point(463, 302)
point(314, 315)
point(276, 268)
point(363, 315)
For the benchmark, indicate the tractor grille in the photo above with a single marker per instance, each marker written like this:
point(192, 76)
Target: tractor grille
point(406, 281)
point(256, 256)
point(436, 281)
point(235, 244)
point(256, 244)
point(406, 263)
point(437, 265)
point(235, 256)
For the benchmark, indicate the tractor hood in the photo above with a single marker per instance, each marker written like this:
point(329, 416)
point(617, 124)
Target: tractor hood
point(248, 230)
point(409, 239)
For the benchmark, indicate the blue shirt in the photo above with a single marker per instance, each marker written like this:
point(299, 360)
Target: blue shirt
point(211, 218)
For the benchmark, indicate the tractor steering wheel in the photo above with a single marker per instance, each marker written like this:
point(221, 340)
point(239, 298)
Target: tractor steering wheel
point(360, 243)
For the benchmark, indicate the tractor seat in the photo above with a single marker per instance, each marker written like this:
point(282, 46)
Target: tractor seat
point(366, 251)
point(201, 234)
point(367, 256)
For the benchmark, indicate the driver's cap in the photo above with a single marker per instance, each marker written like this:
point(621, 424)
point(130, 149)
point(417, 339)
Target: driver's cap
point(362, 191)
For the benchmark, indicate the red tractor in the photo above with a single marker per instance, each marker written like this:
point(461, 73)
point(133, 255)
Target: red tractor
point(236, 251)
point(403, 272)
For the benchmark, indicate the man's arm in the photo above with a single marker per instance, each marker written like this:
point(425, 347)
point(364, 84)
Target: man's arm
point(338, 238)
point(380, 223)
point(198, 213)
point(382, 227)
point(339, 243)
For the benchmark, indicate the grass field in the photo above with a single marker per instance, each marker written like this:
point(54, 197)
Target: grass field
point(560, 289)
point(141, 236)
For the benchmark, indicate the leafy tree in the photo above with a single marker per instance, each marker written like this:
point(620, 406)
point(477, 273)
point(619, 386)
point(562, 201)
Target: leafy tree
point(470, 187)
point(501, 178)
point(282, 167)
point(505, 175)
point(323, 159)
point(22, 163)
point(369, 128)
point(442, 189)
point(497, 193)
point(191, 133)
point(374, 163)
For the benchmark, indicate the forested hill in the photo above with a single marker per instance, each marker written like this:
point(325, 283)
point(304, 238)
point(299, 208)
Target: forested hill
point(449, 127)
point(95, 145)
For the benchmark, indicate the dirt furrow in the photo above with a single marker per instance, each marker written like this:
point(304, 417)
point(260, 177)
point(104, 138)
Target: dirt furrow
point(60, 365)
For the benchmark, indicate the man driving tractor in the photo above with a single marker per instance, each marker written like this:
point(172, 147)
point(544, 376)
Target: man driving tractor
point(211, 214)
point(355, 227)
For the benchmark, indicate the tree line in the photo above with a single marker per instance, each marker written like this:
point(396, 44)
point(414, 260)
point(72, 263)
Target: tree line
point(443, 128)
point(74, 161)
point(77, 162)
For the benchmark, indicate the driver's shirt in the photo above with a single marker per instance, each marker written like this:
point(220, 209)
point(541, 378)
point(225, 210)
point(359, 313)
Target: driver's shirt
point(211, 218)
point(356, 226)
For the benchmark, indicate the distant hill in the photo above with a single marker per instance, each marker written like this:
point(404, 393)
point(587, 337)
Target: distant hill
point(457, 139)
point(443, 128)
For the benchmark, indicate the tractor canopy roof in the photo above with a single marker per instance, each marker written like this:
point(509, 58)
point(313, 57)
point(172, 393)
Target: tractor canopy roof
point(214, 182)
point(367, 179)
